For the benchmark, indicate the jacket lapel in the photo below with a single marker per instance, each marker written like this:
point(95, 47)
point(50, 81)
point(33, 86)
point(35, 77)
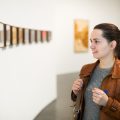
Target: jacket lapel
point(88, 69)
point(116, 69)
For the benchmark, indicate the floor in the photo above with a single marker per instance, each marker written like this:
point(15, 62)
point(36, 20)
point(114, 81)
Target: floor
point(60, 109)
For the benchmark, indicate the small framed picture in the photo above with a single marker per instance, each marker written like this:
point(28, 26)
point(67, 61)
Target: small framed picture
point(38, 35)
point(7, 35)
point(30, 41)
point(11, 36)
point(48, 36)
point(1, 35)
point(17, 32)
point(32, 35)
point(26, 36)
point(4, 34)
point(23, 32)
point(14, 35)
point(20, 31)
point(36, 40)
point(43, 36)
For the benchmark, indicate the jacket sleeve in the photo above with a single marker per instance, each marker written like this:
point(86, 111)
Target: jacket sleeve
point(112, 108)
point(73, 96)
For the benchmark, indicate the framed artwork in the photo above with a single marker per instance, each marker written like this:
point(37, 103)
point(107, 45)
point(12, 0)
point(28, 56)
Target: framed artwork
point(36, 40)
point(48, 36)
point(38, 36)
point(43, 36)
point(4, 34)
point(14, 35)
point(32, 35)
point(7, 35)
point(23, 33)
point(20, 35)
point(26, 35)
point(17, 32)
point(11, 36)
point(1, 36)
point(80, 35)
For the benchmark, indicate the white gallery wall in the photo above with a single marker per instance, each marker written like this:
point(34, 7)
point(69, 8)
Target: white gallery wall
point(28, 72)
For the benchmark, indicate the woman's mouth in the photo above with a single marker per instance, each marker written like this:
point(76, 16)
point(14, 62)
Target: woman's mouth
point(94, 52)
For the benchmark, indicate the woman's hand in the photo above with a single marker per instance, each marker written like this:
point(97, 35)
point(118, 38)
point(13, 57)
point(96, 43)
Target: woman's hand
point(77, 85)
point(99, 97)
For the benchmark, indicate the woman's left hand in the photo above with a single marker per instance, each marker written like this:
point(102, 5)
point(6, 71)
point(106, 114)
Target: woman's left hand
point(99, 97)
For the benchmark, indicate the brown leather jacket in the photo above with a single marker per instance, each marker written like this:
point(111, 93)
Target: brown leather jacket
point(111, 83)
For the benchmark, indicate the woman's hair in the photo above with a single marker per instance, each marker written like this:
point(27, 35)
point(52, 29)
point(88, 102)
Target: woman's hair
point(111, 32)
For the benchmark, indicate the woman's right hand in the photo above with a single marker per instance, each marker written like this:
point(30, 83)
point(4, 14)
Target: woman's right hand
point(77, 85)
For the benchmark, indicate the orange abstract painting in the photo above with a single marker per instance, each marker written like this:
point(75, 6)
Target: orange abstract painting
point(80, 35)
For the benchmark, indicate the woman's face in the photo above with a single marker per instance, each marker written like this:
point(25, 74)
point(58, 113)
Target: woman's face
point(100, 47)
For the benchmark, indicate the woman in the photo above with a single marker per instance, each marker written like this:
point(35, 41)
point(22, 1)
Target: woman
point(99, 82)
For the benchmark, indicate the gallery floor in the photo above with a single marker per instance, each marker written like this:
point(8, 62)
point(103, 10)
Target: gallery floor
point(60, 109)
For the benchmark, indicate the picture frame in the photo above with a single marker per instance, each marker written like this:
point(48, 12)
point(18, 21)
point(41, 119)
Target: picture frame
point(38, 35)
point(36, 39)
point(43, 36)
point(23, 33)
point(32, 35)
point(14, 35)
point(26, 35)
point(4, 34)
point(1, 35)
point(48, 36)
point(17, 31)
point(20, 31)
point(30, 41)
point(11, 36)
point(7, 35)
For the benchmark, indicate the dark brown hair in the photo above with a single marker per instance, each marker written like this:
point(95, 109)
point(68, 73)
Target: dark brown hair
point(111, 32)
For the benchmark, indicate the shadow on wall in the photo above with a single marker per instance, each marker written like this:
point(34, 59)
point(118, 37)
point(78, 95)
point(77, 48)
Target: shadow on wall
point(60, 109)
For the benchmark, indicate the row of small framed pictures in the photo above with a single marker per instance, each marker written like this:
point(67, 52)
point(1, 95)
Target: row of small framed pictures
point(11, 35)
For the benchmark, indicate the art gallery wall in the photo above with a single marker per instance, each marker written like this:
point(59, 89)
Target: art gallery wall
point(28, 72)
point(95, 12)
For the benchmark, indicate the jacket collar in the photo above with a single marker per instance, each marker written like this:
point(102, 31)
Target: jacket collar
point(88, 69)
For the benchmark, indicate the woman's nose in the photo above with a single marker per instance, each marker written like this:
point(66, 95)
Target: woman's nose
point(92, 46)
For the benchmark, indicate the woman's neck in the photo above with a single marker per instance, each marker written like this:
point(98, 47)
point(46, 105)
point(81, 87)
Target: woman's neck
point(106, 63)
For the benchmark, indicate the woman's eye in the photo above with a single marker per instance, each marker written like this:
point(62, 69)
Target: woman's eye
point(96, 41)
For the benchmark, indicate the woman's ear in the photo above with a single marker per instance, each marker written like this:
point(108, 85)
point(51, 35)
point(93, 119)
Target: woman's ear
point(113, 44)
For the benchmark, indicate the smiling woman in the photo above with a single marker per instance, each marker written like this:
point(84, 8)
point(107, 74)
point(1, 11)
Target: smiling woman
point(98, 86)
point(100, 47)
